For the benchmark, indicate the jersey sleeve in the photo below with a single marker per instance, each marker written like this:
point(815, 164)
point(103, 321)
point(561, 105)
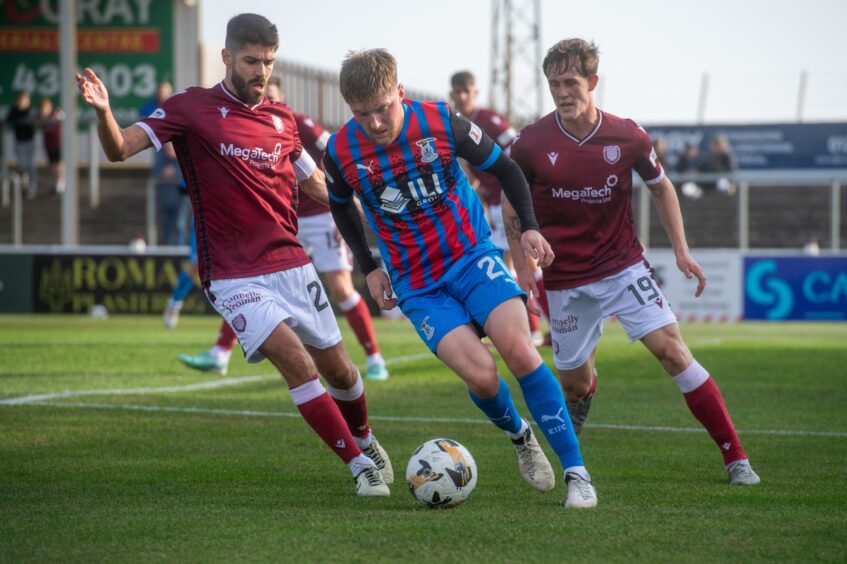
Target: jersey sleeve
point(472, 144)
point(519, 153)
point(339, 190)
point(303, 163)
point(646, 163)
point(168, 121)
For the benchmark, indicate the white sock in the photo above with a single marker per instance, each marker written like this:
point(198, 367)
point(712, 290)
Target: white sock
point(375, 359)
point(692, 377)
point(350, 302)
point(364, 442)
point(520, 432)
point(359, 463)
point(220, 354)
point(579, 471)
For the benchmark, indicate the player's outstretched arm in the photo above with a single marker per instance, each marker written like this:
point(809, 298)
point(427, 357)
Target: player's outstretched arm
point(667, 203)
point(118, 144)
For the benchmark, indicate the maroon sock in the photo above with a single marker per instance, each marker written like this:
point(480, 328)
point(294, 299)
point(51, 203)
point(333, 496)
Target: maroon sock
point(353, 407)
point(359, 318)
point(707, 405)
point(322, 415)
point(226, 337)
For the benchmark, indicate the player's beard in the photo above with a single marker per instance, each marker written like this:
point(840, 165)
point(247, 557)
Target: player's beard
point(244, 90)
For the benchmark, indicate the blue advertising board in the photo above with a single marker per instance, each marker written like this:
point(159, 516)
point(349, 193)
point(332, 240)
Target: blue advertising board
point(810, 288)
point(789, 146)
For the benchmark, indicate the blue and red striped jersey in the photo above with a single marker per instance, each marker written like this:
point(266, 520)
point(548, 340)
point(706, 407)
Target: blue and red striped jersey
point(414, 194)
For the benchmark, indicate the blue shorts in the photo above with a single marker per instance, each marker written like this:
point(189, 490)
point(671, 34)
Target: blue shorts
point(467, 293)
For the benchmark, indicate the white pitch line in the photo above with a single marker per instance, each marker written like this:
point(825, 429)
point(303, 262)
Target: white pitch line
point(411, 419)
point(38, 398)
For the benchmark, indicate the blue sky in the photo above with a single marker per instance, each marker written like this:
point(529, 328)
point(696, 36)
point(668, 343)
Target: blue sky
point(653, 52)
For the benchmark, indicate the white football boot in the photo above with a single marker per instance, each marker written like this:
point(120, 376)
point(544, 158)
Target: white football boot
point(532, 462)
point(581, 492)
point(375, 452)
point(369, 483)
point(741, 473)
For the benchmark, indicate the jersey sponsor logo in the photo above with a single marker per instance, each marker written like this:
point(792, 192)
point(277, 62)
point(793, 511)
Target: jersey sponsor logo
point(427, 329)
point(223, 110)
point(475, 133)
point(256, 157)
point(393, 200)
point(278, 124)
point(239, 322)
point(428, 152)
point(553, 157)
point(158, 113)
point(589, 194)
point(417, 193)
point(611, 154)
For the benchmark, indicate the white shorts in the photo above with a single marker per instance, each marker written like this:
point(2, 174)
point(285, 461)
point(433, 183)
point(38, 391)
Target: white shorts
point(498, 231)
point(320, 238)
point(255, 306)
point(576, 314)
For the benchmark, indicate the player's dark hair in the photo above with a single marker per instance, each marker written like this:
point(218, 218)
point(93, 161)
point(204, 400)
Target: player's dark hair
point(462, 79)
point(366, 75)
point(247, 29)
point(576, 53)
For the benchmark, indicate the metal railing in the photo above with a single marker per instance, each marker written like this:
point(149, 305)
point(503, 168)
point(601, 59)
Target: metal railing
point(744, 181)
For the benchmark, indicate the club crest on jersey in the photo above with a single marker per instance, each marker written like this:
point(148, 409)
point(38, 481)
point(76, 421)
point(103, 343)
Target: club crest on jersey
point(278, 124)
point(611, 153)
point(428, 152)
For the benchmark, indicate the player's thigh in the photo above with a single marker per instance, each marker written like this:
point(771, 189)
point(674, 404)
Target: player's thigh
point(637, 301)
point(508, 328)
point(324, 244)
point(434, 314)
point(498, 228)
point(285, 351)
point(255, 306)
point(576, 325)
point(340, 284)
point(668, 347)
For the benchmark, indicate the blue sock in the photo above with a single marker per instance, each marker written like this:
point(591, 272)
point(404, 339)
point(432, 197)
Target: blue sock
point(500, 409)
point(184, 285)
point(546, 402)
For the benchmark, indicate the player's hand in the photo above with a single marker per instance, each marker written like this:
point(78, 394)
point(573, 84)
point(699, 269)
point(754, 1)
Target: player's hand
point(537, 247)
point(689, 267)
point(526, 280)
point(93, 90)
point(379, 286)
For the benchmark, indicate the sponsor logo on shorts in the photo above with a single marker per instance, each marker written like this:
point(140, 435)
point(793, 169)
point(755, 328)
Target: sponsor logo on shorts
point(239, 323)
point(427, 329)
point(568, 324)
point(232, 304)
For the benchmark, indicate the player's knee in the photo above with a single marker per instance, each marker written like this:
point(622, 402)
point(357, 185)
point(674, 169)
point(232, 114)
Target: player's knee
point(485, 384)
point(575, 389)
point(674, 356)
point(520, 356)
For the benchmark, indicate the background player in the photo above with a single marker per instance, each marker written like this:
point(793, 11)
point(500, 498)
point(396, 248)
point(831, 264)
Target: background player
point(242, 159)
point(321, 240)
point(400, 157)
point(579, 161)
point(464, 94)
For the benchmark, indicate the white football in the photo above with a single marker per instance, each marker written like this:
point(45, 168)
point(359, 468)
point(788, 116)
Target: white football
point(441, 473)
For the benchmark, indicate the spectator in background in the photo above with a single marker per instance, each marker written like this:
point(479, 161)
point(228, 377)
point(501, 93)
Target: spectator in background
point(22, 119)
point(170, 195)
point(50, 120)
point(689, 163)
point(721, 159)
point(660, 146)
point(164, 90)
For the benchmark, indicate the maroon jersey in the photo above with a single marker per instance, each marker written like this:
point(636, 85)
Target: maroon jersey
point(582, 194)
point(240, 164)
point(495, 126)
point(314, 138)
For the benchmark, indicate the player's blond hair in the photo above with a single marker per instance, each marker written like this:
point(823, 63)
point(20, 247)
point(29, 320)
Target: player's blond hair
point(367, 74)
point(580, 54)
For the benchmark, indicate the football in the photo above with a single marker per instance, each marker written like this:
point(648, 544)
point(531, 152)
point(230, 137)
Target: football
point(441, 473)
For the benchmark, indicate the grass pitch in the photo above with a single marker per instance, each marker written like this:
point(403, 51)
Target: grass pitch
point(118, 453)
